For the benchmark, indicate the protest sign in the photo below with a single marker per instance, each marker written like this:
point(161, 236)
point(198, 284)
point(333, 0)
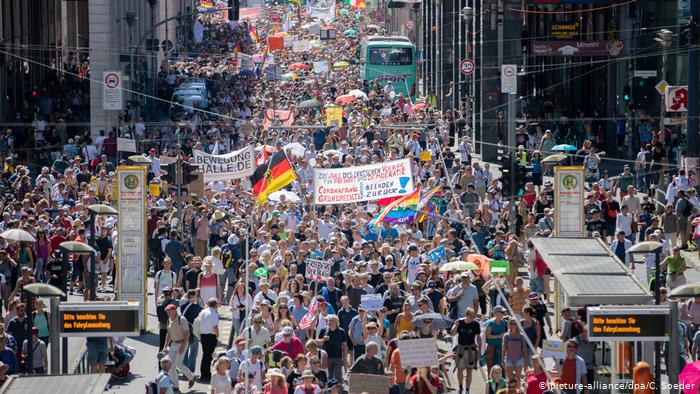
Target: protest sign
point(366, 383)
point(321, 67)
point(245, 62)
point(371, 302)
point(301, 46)
point(322, 10)
point(334, 116)
point(362, 183)
point(416, 353)
point(317, 269)
point(126, 145)
point(234, 165)
point(275, 42)
point(554, 349)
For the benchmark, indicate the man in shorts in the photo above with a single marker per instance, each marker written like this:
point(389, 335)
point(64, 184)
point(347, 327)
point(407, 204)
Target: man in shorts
point(97, 348)
point(467, 349)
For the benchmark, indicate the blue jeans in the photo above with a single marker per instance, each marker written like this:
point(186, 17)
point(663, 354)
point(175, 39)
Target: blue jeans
point(191, 355)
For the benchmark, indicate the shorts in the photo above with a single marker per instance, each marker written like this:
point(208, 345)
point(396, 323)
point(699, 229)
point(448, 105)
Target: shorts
point(537, 179)
point(104, 266)
point(537, 285)
point(97, 353)
point(517, 363)
point(467, 356)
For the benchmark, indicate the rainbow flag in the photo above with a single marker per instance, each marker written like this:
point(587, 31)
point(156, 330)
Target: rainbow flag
point(402, 210)
point(427, 206)
point(206, 4)
point(253, 33)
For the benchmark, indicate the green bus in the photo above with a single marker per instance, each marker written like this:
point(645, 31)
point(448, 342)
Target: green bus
point(390, 59)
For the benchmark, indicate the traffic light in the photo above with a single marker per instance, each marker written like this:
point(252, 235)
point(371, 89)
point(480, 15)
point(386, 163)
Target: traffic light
point(189, 173)
point(234, 11)
point(506, 164)
point(169, 174)
point(626, 94)
point(520, 179)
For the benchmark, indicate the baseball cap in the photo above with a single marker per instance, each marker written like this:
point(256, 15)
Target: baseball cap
point(170, 307)
point(431, 284)
point(166, 289)
point(256, 350)
point(532, 296)
point(499, 308)
point(287, 330)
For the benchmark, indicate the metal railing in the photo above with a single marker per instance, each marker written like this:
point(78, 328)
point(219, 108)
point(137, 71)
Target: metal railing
point(80, 365)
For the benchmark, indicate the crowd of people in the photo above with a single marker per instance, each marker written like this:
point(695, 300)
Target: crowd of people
point(223, 259)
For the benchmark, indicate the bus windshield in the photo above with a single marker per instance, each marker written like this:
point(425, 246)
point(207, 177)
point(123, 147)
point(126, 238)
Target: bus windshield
point(388, 56)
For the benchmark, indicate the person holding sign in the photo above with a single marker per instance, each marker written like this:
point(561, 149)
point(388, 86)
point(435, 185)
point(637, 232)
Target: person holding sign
point(423, 382)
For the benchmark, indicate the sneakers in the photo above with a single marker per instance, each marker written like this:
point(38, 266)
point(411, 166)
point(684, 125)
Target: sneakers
point(190, 384)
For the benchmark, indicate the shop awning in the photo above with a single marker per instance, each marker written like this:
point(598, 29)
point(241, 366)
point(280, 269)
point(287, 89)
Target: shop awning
point(590, 273)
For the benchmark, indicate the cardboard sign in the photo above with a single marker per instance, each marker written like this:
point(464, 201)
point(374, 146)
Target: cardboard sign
point(318, 269)
point(372, 384)
point(126, 145)
point(372, 302)
point(554, 349)
point(301, 46)
point(416, 353)
point(275, 42)
point(334, 116)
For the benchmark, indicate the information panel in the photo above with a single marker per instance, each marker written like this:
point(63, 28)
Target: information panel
point(628, 324)
point(569, 200)
point(131, 257)
point(98, 319)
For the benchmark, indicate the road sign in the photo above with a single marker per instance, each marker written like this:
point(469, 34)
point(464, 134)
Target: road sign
point(661, 86)
point(676, 99)
point(467, 67)
point(645, 74)
point(509, 79)
point(112, 90)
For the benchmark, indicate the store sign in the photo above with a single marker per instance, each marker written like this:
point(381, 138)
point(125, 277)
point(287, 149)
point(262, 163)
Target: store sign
point(564, 30)
point(577, 48)
point(131, 243)
point(676, 98)
point(569, 201)
point(98, 319)
point(628, 324)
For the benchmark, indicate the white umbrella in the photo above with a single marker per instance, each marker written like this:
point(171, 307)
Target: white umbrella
point(296, 148)
point(19, 235)
point(332, 152)
point(357, 93)
point(288, 196)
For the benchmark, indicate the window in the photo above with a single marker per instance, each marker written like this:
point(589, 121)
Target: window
point(391, 56)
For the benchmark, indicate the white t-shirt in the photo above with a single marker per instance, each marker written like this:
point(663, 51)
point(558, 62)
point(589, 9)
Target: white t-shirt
point(163, 382)
point(220, 384)
point(256, 368)
point(208, 320)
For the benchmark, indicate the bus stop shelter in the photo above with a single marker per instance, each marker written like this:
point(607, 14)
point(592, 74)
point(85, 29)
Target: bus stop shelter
point(587, 273)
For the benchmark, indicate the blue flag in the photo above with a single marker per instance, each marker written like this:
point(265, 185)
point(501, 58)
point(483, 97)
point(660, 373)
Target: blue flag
point(437, 254)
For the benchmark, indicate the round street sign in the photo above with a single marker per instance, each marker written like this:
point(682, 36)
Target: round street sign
point(466, 67)
point(112, 80)
point(508, 71)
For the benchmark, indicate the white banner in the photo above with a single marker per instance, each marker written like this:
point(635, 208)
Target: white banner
point(363, 183)
point(234, 165)
point(318, 269)
point(301, 45)
point(569, 200)
point(245, 62)
point(126, 145)
point(322, 9)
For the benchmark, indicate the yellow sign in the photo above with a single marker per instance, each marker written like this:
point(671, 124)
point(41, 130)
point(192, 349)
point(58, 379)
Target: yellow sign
point(334, 116)
point(154, 189)
point(425, 156)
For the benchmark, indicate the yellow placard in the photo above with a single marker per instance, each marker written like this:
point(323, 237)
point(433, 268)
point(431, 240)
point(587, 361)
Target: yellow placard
point(425, 156)
point(334, 116)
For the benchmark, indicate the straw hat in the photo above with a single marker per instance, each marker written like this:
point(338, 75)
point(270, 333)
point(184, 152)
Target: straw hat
point(275, 372)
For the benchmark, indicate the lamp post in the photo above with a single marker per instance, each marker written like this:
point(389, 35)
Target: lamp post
point(655, 247)
point(664, 37)
point(67, 248)
point(45, 290)
point(94, 210)
point(468, 17)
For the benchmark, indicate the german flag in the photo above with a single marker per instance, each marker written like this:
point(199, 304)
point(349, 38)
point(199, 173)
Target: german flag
point(275, 174)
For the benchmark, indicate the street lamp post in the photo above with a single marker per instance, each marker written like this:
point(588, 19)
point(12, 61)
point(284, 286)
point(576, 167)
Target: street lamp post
point(655, 247)
point(468, 16)
point(94, 210)
point(664, 37)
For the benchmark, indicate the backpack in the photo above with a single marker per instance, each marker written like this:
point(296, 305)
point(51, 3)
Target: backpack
point(688, 209)
point(576, 328)
point(226, 257)
point(151, 387)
